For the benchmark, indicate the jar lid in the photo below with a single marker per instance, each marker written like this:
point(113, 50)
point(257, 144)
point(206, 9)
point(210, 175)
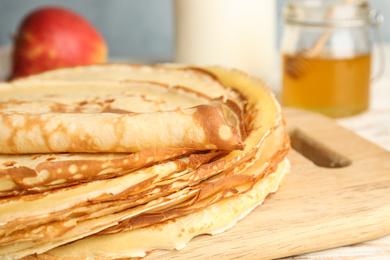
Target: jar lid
point(339, 13)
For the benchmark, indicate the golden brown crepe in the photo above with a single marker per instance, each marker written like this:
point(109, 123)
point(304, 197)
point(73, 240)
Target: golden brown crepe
point(55, 118)
point(91, 197)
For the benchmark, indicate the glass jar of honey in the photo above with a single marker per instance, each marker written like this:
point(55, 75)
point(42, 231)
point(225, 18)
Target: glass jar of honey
point(326, 55)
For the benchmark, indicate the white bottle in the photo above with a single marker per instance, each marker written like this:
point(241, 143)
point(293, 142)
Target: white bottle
point(233, 33)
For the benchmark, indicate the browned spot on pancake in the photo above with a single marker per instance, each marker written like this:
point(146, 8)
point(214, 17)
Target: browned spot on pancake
point(196, 160)
point(36, 157)
point(109, 109)
point(211, 119)
point(109, 100)
point(17, 175)
point(10, 163)
point(59, 108)
point(146, 219)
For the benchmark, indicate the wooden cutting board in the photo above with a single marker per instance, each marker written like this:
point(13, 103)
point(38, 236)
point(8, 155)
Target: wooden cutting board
point(344, 201)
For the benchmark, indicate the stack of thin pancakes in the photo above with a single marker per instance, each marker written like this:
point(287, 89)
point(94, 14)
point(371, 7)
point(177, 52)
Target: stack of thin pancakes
point(113, 161)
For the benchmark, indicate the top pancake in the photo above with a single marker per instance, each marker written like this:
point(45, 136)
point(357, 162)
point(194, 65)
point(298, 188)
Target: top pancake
point(58, 117)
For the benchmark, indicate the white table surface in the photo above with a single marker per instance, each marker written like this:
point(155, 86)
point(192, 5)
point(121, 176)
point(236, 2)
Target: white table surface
point(374, 125)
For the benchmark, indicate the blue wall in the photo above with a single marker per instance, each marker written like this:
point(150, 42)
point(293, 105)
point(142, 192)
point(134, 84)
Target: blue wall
point(132, 28)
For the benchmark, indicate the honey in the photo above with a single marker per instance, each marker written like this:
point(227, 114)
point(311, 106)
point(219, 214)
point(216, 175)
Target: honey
point(334, 87)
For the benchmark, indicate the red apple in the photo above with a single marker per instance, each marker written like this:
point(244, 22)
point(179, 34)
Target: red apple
point(55, 37)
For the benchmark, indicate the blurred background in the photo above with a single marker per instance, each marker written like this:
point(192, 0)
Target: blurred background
point(133, 28)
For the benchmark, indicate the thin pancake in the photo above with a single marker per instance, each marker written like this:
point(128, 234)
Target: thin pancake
point(116, 117)
point(202, 128)
point(193, 78)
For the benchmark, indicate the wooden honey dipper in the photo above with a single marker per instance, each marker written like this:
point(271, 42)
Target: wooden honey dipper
point(296, 64)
